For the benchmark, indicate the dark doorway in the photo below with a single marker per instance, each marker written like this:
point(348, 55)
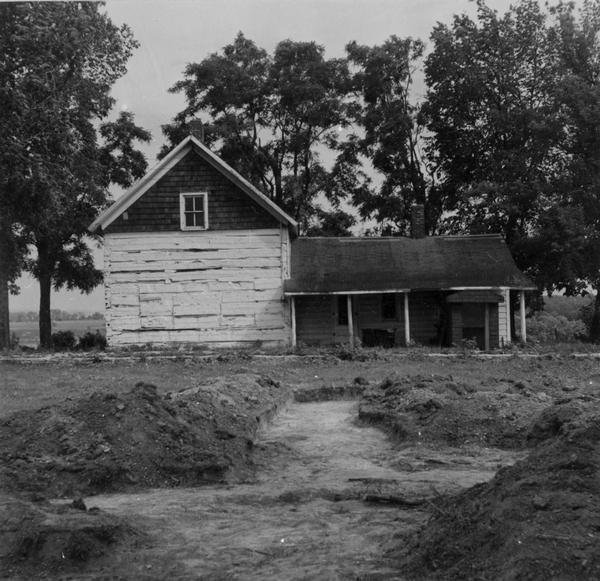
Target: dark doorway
point(473, 316)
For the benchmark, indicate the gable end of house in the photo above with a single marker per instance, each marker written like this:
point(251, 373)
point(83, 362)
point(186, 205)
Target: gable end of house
point(154, 203)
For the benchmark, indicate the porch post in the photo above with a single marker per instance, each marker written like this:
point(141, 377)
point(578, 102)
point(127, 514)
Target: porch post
point(486, 331)
point(293, 307)
point(350, 321)
point(406, 321)
point(522, 316)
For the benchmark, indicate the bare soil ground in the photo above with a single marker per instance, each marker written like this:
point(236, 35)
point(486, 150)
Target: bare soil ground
point(139, 439)
point(319, 494)
point(303, 516)
point(538, 519)
point(438, 409)
point(39, 540)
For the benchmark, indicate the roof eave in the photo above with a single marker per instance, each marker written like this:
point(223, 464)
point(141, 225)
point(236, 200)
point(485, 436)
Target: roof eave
point(138, 189)
point(403, 289)
point(243, 184)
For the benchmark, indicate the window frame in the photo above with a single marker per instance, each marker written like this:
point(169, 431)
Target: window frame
point(182, 212)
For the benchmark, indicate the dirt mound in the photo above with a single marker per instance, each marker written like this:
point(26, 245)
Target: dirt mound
point(439, 409)
point(40, 536)
point(111, 442)
point(538, 519)
point(570, 418)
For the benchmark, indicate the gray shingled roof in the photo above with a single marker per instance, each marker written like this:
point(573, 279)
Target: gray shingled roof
point(328, 265)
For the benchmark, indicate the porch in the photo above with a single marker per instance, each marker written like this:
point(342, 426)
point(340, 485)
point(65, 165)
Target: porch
point(403, 317)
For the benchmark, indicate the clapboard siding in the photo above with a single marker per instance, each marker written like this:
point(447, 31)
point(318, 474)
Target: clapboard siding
point(459, 322)
point(228, 207)
point(456, 324)
point(494, 326)
point(315, 320)
point(159, 291)
point(424, 316)
point(504, 318)
point(370, 314)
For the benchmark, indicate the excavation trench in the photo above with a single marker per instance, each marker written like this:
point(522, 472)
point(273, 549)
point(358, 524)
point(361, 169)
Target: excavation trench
point(304, 515)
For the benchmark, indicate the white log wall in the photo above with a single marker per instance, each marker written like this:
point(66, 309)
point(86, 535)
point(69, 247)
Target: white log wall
point(219, 288)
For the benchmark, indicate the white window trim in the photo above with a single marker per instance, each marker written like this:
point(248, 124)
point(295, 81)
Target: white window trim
point(182, 197)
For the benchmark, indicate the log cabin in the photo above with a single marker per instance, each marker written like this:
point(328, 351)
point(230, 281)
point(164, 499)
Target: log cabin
point(195, 254)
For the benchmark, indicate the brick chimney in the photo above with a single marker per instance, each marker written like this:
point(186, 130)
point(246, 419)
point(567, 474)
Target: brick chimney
point(196, 128)
point(417, 221)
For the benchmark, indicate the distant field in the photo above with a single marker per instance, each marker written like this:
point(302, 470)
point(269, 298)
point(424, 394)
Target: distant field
point(28, 331)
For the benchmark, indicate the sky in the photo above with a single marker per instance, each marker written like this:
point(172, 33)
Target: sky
point(173, 33)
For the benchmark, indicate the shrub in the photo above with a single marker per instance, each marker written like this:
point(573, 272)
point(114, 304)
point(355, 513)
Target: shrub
point(548, 328)
point(586, 314)
point(469, 345)
point(63, 341)
point(91, 341)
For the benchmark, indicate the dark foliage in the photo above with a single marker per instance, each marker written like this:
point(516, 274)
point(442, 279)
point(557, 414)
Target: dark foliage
point(92, 341)
point(63, 341)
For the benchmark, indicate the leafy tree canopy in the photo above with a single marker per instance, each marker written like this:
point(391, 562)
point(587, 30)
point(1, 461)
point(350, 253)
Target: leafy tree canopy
point(573, 223)
point(390, 135)
point(494, 122)
point(274, 118)
point(60, 62)
point(512, 109)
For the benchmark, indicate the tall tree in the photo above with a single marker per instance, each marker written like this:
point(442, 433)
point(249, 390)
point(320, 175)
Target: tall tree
point(513, 107)
point(494, 121)
point(567, 238)
point(12, 158)
point(272, 117)
point(63, 59)
point(390, 135)
point(496, 127)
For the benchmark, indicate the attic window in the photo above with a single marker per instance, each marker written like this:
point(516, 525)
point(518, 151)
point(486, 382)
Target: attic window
point(193, 209)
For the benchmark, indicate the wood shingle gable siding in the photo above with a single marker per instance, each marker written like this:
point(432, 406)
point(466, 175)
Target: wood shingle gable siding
point(159, 208)
point(167, 165)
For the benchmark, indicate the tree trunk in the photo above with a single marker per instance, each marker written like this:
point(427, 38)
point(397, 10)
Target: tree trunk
point(595, 324)
point(45, 319)
point(4, 314)
point(278, 186)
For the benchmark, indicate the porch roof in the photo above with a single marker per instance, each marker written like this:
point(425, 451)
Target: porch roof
point(355, 265)
point(475, 296)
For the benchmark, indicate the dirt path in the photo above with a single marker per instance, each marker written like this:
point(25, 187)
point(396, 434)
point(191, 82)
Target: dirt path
point(303, 517)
